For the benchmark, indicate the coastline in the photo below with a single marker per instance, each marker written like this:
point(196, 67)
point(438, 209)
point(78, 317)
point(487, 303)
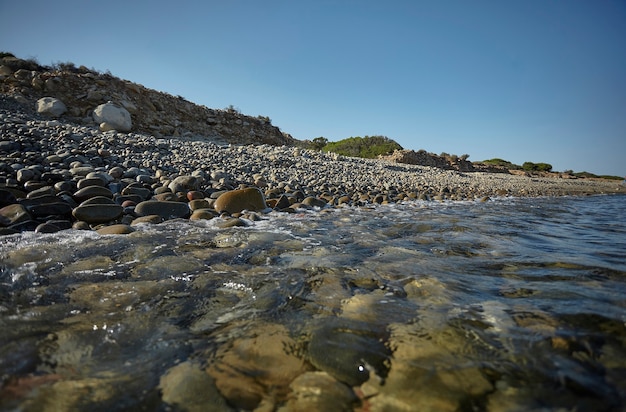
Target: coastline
point(45, 163)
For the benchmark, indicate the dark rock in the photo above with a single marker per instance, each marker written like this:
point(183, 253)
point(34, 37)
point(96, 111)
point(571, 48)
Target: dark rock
point(165, 209)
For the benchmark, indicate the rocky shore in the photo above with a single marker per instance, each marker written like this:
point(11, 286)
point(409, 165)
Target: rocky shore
point(56, 175)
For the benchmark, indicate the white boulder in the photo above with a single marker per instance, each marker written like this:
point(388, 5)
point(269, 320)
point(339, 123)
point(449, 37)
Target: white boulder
point(114, 117)
point(50, 106)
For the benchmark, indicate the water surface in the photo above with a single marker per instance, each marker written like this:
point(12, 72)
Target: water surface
point(513, 304)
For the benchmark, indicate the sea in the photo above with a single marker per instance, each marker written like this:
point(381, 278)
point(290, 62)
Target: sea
point(514, 304)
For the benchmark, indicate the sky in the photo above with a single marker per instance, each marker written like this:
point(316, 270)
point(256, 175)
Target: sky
point(532, 80)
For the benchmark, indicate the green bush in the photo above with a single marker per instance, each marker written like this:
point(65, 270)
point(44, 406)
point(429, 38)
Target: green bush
point(501, 162)
point(367, 147)
point(537, 167)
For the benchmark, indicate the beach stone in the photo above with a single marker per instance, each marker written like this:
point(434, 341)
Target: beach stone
point(98, 200)
point(189, 388)
point(185, 184)
point(49, 209)
point(166, 197)
point(367, 349)
point(120, 229)
point(51, 106)
point(42, 191)
point(196, 204)
point(97, 213)
point(313, 202)
point(47, 228)
point(114, 117)
point(24, 175)
point(166, 209)
point(92, 191)
point(251, 368)
point(142, 192)
point(14, 214)
point(318, 391)
point(7, 198)
point(203, 214)
point(150, 219)
point(232, 222)
point(92, 181)
point(235, 201)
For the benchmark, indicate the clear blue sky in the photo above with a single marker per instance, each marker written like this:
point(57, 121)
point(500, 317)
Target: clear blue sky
point(531, 80)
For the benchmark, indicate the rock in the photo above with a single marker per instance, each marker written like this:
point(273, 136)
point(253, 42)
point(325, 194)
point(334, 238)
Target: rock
point(47, 228)
point(92, 191)
point(114, 117)
point(318, 391)
point(7, 198)
point(349, 351)
point(50, 106)
point(165, 209)
point(314, 202)
point(203, 214)
point(189, 388)
point(98, 213)
point(150, 219)
point(14, 214)
point(120, 229)
point(185, 184)
point(235, 201)
point(251, 368)
point(199, 204)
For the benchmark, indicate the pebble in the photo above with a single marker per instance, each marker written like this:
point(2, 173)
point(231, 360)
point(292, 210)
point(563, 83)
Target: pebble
point(43, 159)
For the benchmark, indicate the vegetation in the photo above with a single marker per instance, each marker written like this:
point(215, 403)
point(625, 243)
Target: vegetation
point(501, 163)
point(537, 167)
point(367, 147)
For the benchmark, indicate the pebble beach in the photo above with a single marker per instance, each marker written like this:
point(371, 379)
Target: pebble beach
point(56, 175)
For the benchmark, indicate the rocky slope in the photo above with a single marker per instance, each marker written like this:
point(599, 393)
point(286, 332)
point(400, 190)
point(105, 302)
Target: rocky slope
point(152, 112)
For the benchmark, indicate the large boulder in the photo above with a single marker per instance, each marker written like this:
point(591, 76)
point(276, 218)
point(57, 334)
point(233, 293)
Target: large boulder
point(111, 116)
point(51, 106)
point(235, 201)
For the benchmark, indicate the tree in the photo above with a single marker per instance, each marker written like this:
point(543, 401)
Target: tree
point(319, 143)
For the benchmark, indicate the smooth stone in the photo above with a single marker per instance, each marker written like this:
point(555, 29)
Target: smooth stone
point(282, 203)
point(165, 209)
point(203, 214)
point(98, 213)
point(185, 184)
point(92, 191)
point(25, 226)
point(189, 388)
point(50, 209)
point(166, 197)
point(47, 228)
point(93, 181)
point(235, 201)
point(318, 391)
point(142, 192)
point(327, 351)
point(314, 202)
point(14, 214)
point(150, 219)
point(232, 222)
point(42, 191)
point(80, 225)
point(120, 229)
point(196, 204)
point(98, 200)
point(7, 198)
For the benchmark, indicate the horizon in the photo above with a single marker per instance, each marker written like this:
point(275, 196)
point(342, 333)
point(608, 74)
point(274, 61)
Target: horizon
point(525, 82)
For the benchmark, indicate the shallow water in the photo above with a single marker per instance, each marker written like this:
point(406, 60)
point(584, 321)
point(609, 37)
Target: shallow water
point(514, 304)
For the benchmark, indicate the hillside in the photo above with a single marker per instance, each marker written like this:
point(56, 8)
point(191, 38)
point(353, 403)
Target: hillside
point(152, 112)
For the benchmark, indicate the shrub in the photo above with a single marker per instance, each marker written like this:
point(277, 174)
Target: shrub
point(367, 147)
point(537, 167)
point(501, 162)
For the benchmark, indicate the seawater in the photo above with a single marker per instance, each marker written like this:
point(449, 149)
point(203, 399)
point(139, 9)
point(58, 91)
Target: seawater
point(511, 304)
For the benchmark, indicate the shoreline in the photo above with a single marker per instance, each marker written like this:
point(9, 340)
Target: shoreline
point(49, 169)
